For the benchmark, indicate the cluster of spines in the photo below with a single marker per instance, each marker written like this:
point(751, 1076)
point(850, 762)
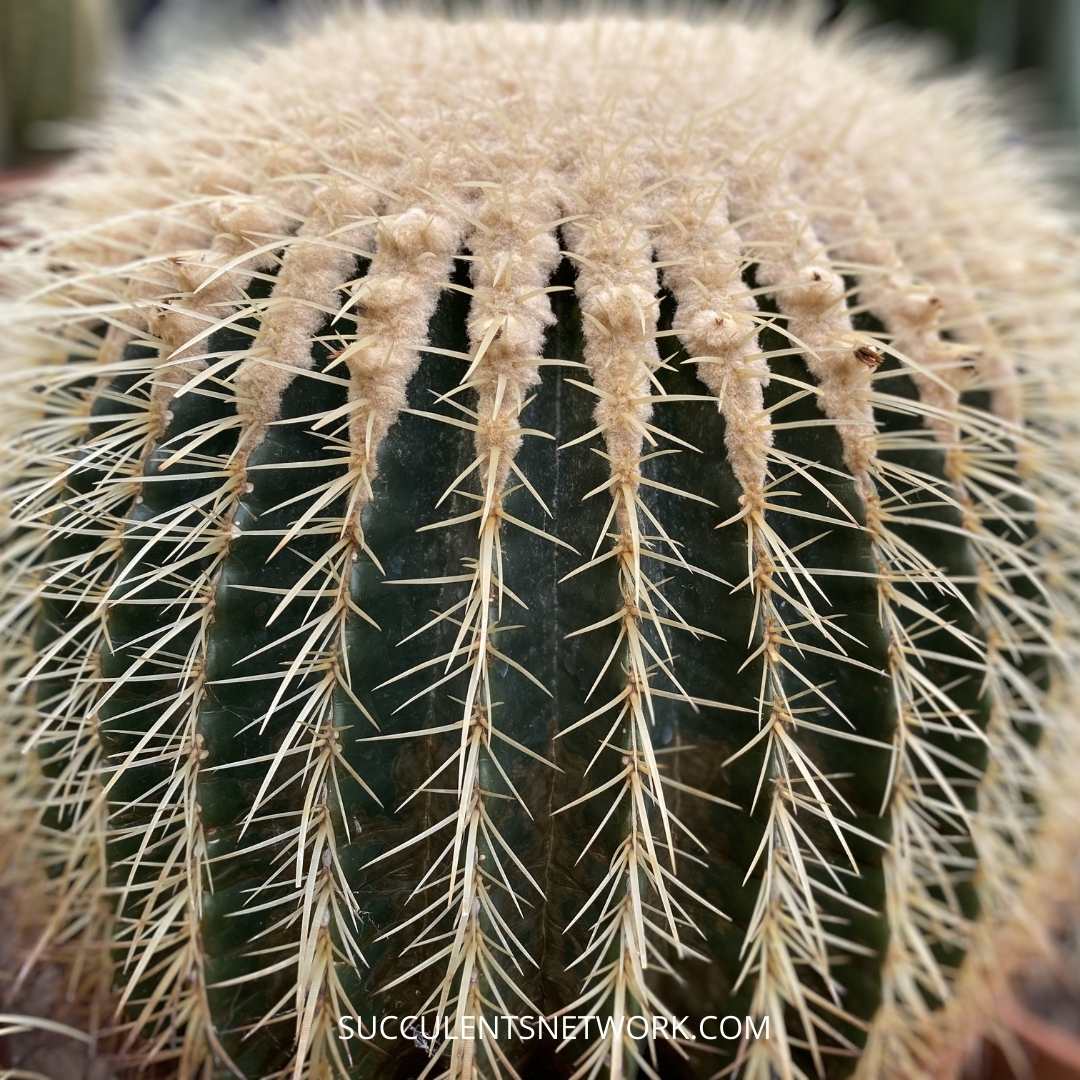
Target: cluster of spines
point(640, 907)
point(92, 483)
point(924, 812)
point(60, 723)
point(788, 932)
point(939, 837)
point(307, 889)
point(930, 823)
point(478, 882)
point(1004, 501)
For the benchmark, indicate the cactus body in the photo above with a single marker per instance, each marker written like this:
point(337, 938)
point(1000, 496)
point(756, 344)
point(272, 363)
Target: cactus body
point(572, 518)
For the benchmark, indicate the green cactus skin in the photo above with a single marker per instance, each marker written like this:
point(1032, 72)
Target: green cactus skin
point(499, 546)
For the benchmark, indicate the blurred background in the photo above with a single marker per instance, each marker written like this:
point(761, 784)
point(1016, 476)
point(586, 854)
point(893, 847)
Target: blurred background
point(58, 57)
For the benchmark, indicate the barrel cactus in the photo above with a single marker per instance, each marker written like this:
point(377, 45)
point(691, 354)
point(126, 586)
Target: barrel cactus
point(563, 519)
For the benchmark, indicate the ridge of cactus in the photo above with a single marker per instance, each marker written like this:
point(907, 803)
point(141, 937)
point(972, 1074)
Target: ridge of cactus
point(566, 517)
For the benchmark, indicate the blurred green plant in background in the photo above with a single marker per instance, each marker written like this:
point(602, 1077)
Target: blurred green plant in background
point(1041, 36)
point(956, 21)
point(53, 56)
point(1038, 38)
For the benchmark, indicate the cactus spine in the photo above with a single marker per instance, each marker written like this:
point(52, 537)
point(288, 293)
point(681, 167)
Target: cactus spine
point(561, 517)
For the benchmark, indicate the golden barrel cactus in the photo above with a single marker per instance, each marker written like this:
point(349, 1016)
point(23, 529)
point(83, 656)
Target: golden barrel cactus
point(561, 525)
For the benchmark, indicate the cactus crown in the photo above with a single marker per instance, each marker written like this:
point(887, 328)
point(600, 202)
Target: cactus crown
point(349, 692)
